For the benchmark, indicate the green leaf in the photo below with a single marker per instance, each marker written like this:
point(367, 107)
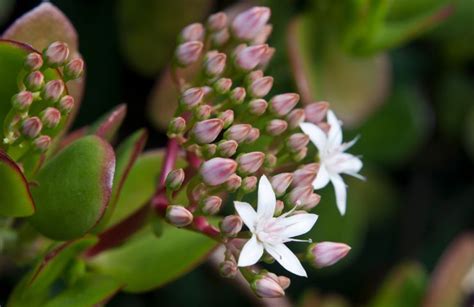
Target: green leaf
point(107, 126)
point(146, 262)
point(74, 189)
point(15, 198)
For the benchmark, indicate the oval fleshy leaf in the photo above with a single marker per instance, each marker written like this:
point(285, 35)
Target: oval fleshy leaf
point(107, 126)
point(15, 196)
point(74, 189)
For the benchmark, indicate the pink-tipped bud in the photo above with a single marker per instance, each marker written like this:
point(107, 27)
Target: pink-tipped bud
point(238, 132)
point(316, 112)
point(192, 97)
point(74, 69)
point(324, 254)
point(249, 184)
point(42, 143)
point(299, 195)
point(276, 127)
point(249, 57)
point(248, 24)
point(324, 126)
point(250, 162)
point(305, 175)
point(300, 155)
point(53, 90)
point(217, 22)
point(207, 131)
point(231, 225)
point(254, 76)
point(192, 32)
point(188, 53)
point(281, 182)
point(266, 57)
point(203, 112)
point(31, 127)
point(199, 192)
point(56, 54)
point(279, 206)
point(34, 81)
point(66, 104)
point(211, 205)
point(270, 160)
point(217, 170)
point(233, 183)
point(295, 117)
point(260, 87)
point(253, 135)
point(297, 141)
point(284, 282)
point(227, 117)
point(22, 101)
point(33, 61)
point(175, 179)
point(257, 106)
point(227, 148)
point(267, 287)
point(51, 117)
point(222, 85)
point(177, 126)
point(221, 37)
point(214, 63)
point(228, 268)
point(311, 202)
point(263, 36)
point(237, 95)
point(207, 90)
point(179, 216)
point(282, 104)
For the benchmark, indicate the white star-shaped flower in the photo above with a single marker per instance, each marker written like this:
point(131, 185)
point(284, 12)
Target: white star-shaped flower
point(333, 160)
point(271, 233)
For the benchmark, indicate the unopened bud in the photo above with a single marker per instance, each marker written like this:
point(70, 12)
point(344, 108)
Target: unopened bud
point(260, 87)
point(207, 131)
point(270, 160)
point(214, 63)
point(311, 202)
point(266, 57)
point(192, 32)
point(31, 127)
point(208, 150)
point(227, 148)
point(305, 175)
point(53, 90)
point(34, 61)
point(42, 143)
point(56, 54)
point(222, 85)
point(248, 24)
point(191, 97)
point(249, 184)
point(34, 81)
point(257, 107)
point(267, 287)
point(249, 57)
point(237, 95)
point(175, 179)
point(284, 282)
point(299, 195)
point(279, 206)
point(217, 170)
point(22, 101)
point(188, 53)
point(263, 35)
point(233, 183)
point(51, 117)
point(276, 127)
point(250, 162)
point(66, 104)
point(227, 117)
point(179, 216)
point(254, 76)
point(211, 205)
point(217, 22)
point(253, 135)
point(281, 182)
point(203, 112)
point(324, 126)
point(282, 104)
point(324, 254)
point(228, 268)
point(295, 118)
point(231, 225)
point(316, 112)
point(74, 69)
point(297, 141)
point(220, 38)
point(177, 125)
point(238, 132)
point(199, 191)
point(300, 155)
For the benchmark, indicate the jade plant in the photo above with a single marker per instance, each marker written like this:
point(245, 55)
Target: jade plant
point(90, 220)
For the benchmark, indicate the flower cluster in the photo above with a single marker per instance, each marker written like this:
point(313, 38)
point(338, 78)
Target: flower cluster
point(234, 134)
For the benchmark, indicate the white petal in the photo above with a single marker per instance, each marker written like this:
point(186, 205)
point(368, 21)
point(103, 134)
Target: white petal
point(316, 135)
point(322, 178)
point(298, 224)
point(335, 131)
point(347, 163)
point(247, 213)
point(251, 252)
point(286, 258)
point(340, 190)
point(266, 199)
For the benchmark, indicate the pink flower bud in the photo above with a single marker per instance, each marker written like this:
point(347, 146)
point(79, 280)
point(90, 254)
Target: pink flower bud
point(227, 117)
point(311, 202)
point(31, 127)
point(284, 282)
point(199, 191)
point(282, 104)
point(305, 175)
point(222, 85)
point(238, 132)
point(281, 182)
point(214, 63)
point(270, 160)
point(279, 206)
point(211, 205)
point(192, 97)
point(253, 76)
point(33, 61)
point(266, 57)
point(276, 127)
point(231, 225)
point(233, 183)
point(248, 24)
point(51, 117)
point(250, 162)
point(192, 32)
point(253, 135)
point(299, 195)
point(207, 131)
point(175, 179)
point(203, 112)
point(324, 126)
point(217, 170)
point(227, 148)
point(179, 216)
point(66, 104)
point(249, 184)
point(34, 81)
point(207, 90)
point(295, 117)
point(22, 101)
point(177, 125)
point(300, 155)
point(217, 22)
point(237, 95)
point(249, 57)
point(316, 112)
point(220, 38)
point(228, 269)
point(297, 141)
point(42, 143)
point(56, 54)
point(188, 53)
point(325, 254)
point(74, 69)
point(257, 107)
point(263, 35)
point(260, 87)
point(53, 90)
point(267, 287)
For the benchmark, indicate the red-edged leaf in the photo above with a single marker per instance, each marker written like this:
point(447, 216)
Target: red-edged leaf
point(108, 125)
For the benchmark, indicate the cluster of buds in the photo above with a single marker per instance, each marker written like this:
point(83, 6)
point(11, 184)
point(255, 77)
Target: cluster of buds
point(42, 104)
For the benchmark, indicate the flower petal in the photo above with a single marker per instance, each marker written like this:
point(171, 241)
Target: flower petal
point(347, 163)
point(247, 213)
point(322, 178)
point(341, 193)
point(251, 252)
point(266, 199)
point(298, 224)
point(316, 135)
point(335, 131)
point(286, 258)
